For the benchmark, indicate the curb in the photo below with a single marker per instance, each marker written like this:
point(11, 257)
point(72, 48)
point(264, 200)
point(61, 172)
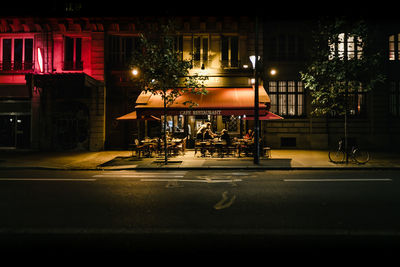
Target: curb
point(201, 168)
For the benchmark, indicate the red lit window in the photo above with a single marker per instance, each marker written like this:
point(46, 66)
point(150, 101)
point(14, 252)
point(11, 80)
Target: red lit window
point(17, 54)
point(73, 54)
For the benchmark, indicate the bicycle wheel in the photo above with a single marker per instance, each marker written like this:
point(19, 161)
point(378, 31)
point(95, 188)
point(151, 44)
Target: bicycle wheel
point(360, 156)
point(336, 156)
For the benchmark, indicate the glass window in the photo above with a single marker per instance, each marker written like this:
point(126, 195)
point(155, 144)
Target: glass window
point(285, 47)
point(18, 48)
point(28, 57)
point(391, 47)
point(200, 51)
point(345, 46)
point(230, 51)
point(17, 54)
point(73, 53)
point(6, 54)
point(287, 97)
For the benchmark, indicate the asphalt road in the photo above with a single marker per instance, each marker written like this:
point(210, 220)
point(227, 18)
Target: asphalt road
point(199, 210)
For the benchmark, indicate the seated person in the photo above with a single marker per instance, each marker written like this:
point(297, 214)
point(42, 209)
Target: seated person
point(200, 134)
point(249, 135)
point(225, 137)
point(208, 134)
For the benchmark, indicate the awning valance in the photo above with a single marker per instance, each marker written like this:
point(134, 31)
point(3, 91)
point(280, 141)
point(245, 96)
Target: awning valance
point(218, 101)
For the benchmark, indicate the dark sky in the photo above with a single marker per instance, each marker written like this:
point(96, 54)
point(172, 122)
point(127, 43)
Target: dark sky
point(275, 9)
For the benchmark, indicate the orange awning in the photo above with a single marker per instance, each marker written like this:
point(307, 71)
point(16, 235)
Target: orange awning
point(218, 101)
point(268, 116)
point(133, 116)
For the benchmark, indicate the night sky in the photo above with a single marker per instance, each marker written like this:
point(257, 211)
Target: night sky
point(273, 9)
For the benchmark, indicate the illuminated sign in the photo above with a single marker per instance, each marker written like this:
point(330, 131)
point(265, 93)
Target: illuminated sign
point(200, 112)
point(40, 59)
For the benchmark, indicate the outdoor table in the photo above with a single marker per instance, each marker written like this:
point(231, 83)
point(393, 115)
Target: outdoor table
point(148, 146)
point(242, 143)
point(203, 148)
point(219, 145)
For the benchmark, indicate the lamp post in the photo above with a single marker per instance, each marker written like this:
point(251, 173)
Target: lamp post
point(254, 60)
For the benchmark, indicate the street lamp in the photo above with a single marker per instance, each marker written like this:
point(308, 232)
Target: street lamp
point(135, 72)
point(254, 60)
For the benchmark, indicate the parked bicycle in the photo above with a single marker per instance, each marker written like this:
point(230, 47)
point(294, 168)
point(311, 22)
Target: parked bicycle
point(339, 155)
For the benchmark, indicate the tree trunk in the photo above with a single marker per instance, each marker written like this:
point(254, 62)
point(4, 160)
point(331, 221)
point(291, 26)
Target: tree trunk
point(345, 123)
point(165, 130)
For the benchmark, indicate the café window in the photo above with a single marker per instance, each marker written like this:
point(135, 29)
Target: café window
point(72, 54)
point(287, 98)
point(17, 54)
point(230, 51)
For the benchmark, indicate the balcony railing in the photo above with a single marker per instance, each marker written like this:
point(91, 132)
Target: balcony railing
point(17, 66)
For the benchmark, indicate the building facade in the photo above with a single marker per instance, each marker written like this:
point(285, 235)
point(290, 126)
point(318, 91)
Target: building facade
point(65, 80)
point(52, 84)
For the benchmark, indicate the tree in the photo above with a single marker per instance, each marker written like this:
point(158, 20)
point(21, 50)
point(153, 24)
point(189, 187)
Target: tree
point(344, 60)
point(161, 71)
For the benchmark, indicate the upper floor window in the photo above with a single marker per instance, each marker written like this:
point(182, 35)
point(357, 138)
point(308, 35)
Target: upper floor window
point(285, 47)
point(394, 45)
point(200, 51)
point(230, 51)
point(345, 46)
point(122, 49)
point(16, 54)
point(73, 54)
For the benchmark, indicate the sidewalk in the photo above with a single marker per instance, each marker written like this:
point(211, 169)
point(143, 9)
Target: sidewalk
point(122, 160)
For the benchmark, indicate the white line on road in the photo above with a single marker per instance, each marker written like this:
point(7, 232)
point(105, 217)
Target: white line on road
point(137, 175)
point(191, 180)
point(48, 179)
point(141, 174)
point(340, 180)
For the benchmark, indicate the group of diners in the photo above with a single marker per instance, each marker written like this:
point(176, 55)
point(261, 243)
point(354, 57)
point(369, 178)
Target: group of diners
point(209, 142)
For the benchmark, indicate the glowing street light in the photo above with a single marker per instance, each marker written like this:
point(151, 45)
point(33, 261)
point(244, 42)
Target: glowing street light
point(135, 72)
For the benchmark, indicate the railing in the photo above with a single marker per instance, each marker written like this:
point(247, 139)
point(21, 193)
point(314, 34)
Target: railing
point(16, 66)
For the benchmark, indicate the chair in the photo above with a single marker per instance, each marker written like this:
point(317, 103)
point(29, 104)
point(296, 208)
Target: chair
point(137, 148)
point(180, 147)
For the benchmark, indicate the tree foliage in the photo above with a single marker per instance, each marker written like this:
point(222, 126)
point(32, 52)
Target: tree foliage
point(331, 75)
point(161, 71)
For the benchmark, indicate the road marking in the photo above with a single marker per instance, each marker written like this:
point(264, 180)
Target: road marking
point(49, 179)
point(222, 204)
point(141, 174)
point(191, 180)
point(339, 180)
point(136, 175)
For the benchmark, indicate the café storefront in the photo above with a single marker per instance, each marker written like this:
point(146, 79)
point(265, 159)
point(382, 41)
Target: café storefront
point(224, 108)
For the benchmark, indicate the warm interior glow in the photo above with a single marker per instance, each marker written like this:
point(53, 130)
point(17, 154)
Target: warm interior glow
point(135, 72)
point(273, 71)
point(40, 59)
